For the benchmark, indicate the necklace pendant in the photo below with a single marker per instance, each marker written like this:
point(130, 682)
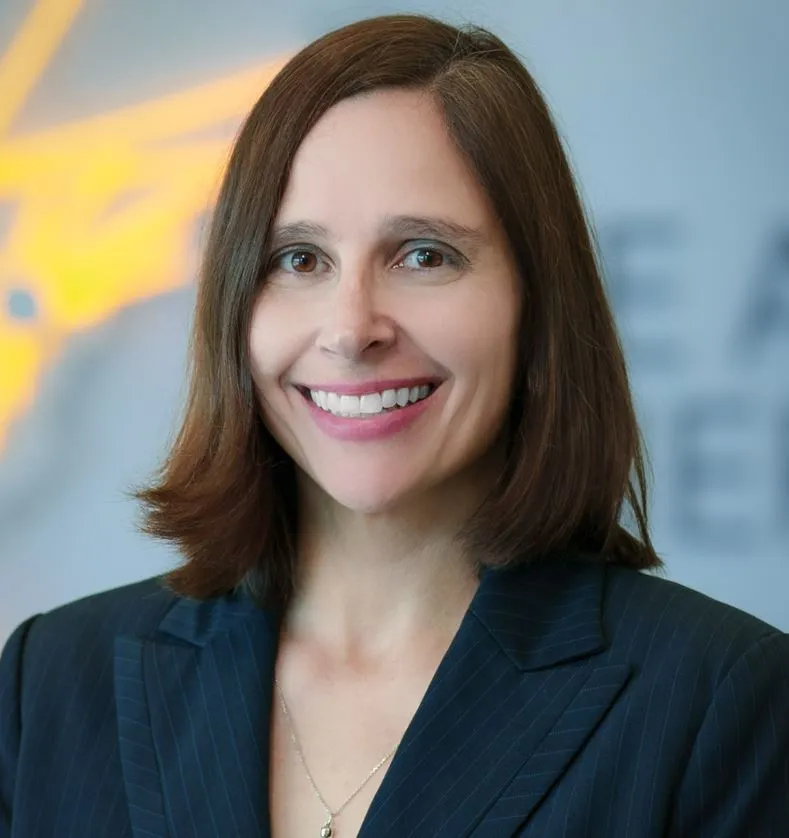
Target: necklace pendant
point(326, 830)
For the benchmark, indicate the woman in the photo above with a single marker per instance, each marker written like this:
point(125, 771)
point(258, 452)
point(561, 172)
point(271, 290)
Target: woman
point(407, 605)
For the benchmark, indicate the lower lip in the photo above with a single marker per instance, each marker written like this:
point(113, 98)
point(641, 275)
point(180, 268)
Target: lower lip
point(378, 426)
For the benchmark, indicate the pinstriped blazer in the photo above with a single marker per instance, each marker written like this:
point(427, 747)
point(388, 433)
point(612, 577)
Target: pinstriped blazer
point(576, 699)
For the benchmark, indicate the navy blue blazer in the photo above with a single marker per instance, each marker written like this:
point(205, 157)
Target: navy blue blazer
point(575, 700)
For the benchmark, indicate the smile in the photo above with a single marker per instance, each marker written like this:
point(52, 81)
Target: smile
point(366, 405)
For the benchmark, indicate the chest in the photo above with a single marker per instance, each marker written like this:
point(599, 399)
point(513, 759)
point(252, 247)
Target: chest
point(333, 757)
point(295, 809)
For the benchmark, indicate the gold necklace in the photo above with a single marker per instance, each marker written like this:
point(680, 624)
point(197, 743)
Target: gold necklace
point(327, 830)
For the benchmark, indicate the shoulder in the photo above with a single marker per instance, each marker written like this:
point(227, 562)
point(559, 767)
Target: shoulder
point(137, 608)
point(708, 699)
point(678, 633)
point(56, 670)
point(87, 628)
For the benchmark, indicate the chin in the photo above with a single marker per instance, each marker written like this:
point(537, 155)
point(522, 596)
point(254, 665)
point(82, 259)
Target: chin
point(366, 501)
point(368, 497)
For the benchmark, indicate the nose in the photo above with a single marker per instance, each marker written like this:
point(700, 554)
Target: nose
point(354, 326)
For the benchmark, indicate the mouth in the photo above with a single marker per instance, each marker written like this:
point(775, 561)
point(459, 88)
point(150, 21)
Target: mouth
point(368, 405)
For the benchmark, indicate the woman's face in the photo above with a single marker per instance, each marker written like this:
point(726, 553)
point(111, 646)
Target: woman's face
point(383, 340)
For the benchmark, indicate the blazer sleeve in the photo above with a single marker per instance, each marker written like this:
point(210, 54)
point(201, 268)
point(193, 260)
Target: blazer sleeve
point(736, 783)
point(10, 719)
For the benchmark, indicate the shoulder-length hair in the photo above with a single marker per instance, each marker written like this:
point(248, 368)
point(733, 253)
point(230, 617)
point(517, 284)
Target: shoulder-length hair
point(225, 494)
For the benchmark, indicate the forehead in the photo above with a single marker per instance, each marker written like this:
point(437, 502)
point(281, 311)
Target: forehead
point(382, 154)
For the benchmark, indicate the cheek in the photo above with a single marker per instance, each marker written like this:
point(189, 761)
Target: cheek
point(268, 362)
point(485, 349)
point(276, 341)
point(482, 338)
point(272, 342)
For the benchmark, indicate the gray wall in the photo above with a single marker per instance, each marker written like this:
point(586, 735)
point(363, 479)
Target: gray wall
point(676, 117)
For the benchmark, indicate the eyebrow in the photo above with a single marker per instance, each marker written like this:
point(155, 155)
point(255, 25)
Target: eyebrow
point(394, 226)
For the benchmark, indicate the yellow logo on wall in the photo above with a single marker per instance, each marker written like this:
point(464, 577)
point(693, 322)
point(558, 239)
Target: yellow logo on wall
point(101, 209)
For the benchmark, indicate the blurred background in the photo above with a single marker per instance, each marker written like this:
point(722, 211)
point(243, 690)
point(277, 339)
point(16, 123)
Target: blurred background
point(115, 121)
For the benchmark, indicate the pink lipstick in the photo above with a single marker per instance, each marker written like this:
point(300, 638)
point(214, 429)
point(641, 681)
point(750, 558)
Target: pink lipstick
point(374, 409)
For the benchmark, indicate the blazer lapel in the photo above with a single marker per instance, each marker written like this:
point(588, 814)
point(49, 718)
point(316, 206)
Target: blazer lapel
point(516, 696)
point(193, 709)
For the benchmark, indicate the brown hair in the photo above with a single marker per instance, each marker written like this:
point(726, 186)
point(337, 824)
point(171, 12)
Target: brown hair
point(226, 494)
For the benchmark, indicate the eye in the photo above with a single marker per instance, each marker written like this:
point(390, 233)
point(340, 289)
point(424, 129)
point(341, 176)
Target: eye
point(427, 258)
point(298, 260)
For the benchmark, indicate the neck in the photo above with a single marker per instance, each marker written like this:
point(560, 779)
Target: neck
point(370, 585)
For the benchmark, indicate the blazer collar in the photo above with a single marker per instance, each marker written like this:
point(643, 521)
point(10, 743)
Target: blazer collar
point(199, 622)
point(518, 693)
point(540, 614)
point(543, 614)
point(194, 704)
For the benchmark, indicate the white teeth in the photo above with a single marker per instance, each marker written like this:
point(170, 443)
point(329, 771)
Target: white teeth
point(369, 404)
point(349, 404)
